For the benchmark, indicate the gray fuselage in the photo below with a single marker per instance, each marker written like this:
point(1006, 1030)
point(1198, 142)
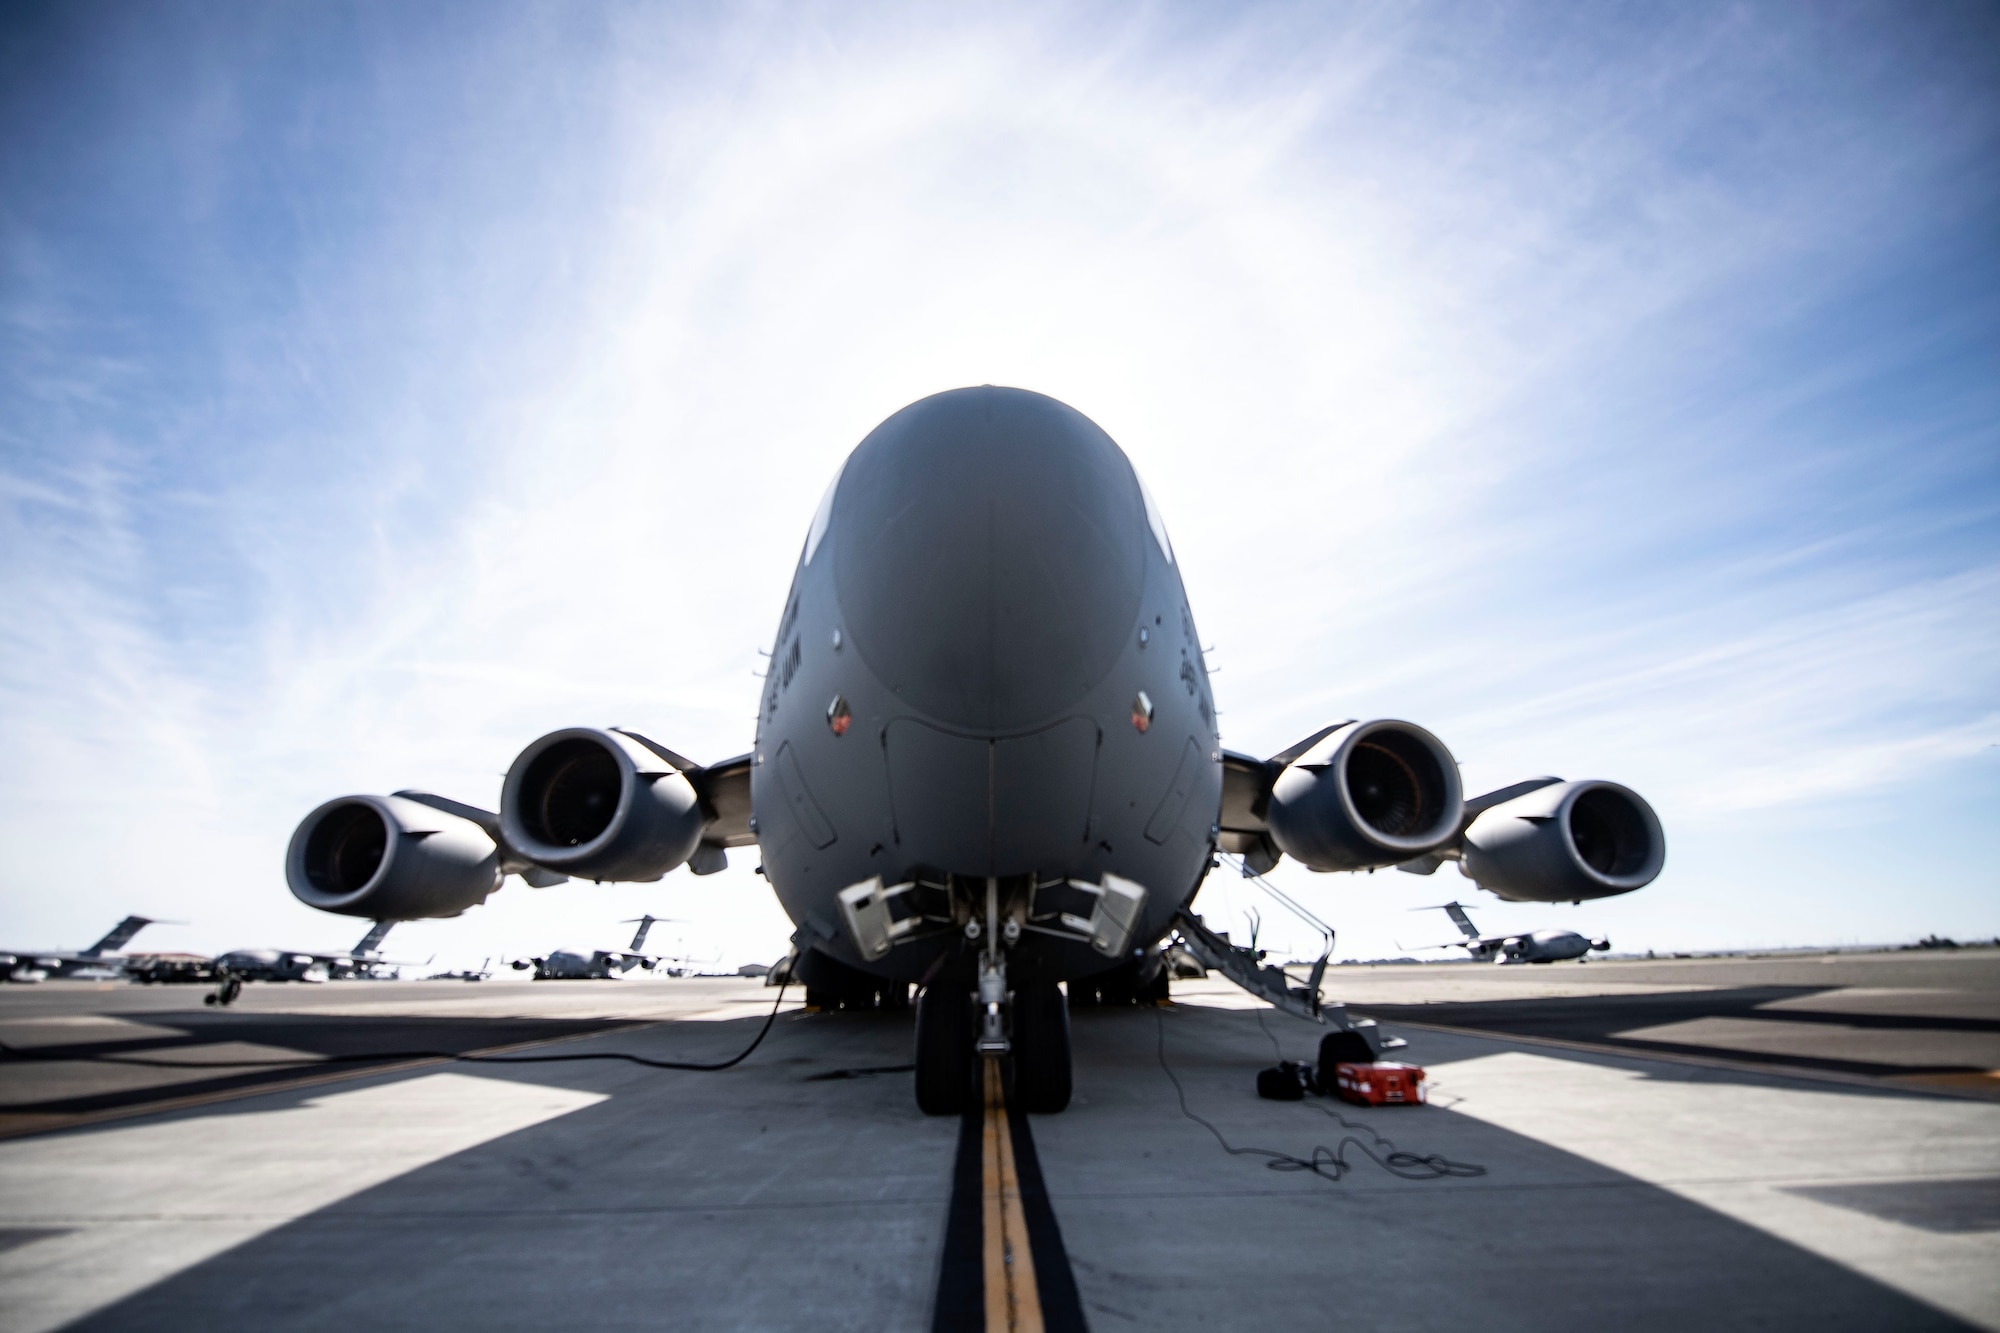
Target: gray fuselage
point(1539, 946)
point(985, 611)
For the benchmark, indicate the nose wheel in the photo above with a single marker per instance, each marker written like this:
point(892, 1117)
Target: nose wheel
point(1041, 1048)
point(1026, 1026)
point(950, 1026)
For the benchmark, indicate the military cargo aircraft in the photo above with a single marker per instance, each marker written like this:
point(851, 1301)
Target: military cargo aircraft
point(593, 964)
point(101, 961)
point(1536, 946)
point(299, 965)
point(986, 762)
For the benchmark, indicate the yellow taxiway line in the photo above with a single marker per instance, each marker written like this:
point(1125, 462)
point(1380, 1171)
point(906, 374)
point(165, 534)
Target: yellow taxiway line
point(1013, 1303)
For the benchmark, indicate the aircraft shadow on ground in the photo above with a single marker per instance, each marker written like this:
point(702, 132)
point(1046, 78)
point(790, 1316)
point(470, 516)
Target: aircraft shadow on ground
point(338, 1042)
point(758, 1197)
point(1545, 1240)
point(1601, 1019)
point(762, 1198)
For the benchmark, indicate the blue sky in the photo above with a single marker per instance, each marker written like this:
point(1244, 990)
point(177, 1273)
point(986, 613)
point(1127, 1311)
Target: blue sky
point(1614, 391)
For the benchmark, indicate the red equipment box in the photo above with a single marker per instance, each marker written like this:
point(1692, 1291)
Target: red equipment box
point(1384, 1083)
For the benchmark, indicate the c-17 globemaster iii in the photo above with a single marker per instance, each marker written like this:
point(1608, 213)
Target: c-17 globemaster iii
point(986, 762)
point(101, 960)
point(594, 964)
point(1533, 946)
point(304, 965)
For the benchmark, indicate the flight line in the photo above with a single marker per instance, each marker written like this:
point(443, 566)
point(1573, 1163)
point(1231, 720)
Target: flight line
point(796, 1152)
point(986, 785)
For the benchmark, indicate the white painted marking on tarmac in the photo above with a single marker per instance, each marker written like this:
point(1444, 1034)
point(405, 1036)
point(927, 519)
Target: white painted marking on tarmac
point(739, 1009)
point(1739, 1149)
point(137, 1203)
point(1229, 999)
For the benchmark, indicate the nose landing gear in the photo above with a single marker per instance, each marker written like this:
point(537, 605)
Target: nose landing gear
point(1028, 1023)
point(993, 997)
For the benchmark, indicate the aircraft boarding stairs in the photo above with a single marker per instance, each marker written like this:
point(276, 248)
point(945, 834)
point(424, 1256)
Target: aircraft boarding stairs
point(1242, 965)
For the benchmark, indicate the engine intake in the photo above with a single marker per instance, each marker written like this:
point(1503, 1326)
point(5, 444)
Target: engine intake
point(600, 805)
point(1566, 842)
point(390, 859)
point(1369, 794)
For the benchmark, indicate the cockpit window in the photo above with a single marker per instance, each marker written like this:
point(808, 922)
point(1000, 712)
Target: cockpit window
point(825, 516)
point(1153, 520)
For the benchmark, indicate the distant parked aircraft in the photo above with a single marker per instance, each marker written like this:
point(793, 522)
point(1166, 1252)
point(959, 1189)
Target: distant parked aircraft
point(290, 965)
point(1537, 946)
point(102, 961)
point(594, 964)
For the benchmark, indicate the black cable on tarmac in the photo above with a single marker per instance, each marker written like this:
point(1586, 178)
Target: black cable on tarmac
point(1327, 1163)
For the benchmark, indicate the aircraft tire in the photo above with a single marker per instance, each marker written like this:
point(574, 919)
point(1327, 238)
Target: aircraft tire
point(1041, 1048)
point(944, 1049)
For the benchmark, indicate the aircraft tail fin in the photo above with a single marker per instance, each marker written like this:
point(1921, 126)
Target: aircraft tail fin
point(639, 936)
point(1456, 911)
point(372, 941)
point(119, 936)
point(1461, 920)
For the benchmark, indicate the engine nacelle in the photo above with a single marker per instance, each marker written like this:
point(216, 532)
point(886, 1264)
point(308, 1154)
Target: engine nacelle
point(390, 859)
point(599, 805)
point(1370, 794)
point(1566, 842)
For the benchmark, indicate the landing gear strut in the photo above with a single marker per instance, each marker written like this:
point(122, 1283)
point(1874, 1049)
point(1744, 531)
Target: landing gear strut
point(1028, 1025)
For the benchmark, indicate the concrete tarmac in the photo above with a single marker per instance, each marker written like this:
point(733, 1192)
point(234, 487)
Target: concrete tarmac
point(1836, 1167)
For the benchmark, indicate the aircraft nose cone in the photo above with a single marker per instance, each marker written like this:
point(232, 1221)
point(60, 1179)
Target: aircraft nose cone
point(988, 549)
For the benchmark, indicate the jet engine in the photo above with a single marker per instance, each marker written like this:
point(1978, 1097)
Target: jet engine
point(599, 805)
point(1566, 842)
point(1367, 794)
point(391, 859)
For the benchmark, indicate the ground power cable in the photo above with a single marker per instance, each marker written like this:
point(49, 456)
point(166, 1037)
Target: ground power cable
point(1327, 1163)
point(17, 1053)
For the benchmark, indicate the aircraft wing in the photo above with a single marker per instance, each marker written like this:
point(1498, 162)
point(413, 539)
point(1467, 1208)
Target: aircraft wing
point(511, 862)
point(724, 792)
point(723, 789)
point(1246, 795)
point(1246, 783)
point(362, 959)
point(1475, 806)
point(1475, 946)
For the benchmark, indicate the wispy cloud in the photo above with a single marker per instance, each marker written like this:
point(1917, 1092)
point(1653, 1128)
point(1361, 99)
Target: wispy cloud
point(485, 379)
